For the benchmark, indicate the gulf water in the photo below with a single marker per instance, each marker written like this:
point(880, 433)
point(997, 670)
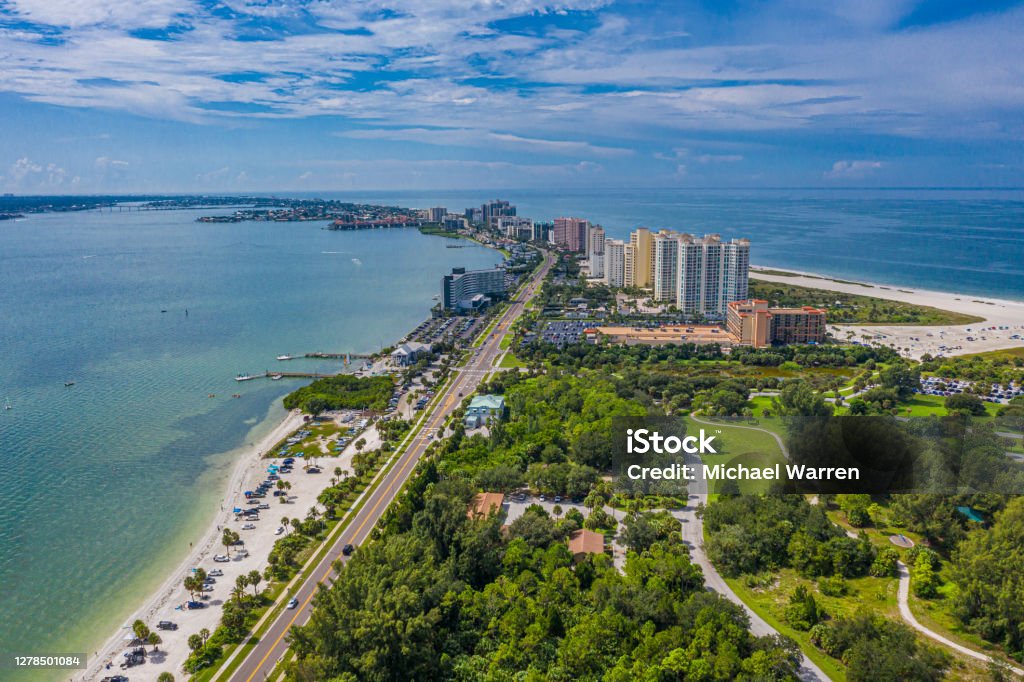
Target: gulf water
point(105, 483)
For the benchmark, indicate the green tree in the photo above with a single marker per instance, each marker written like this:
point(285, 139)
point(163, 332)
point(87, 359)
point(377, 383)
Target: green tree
point(254, 579)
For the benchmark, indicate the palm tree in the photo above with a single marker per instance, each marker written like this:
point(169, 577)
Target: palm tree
point(165, 677)
point(254, 580)
point(241, 582)
point(140, 630)
point(195, 642)
point(205, 634)
point(191, 585)
point(284, 523)
point(154, 640)
point(229, 538)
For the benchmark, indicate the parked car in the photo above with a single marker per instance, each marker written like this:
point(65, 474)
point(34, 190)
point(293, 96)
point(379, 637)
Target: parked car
point(347, 549)
point(280, 529)
point(166, 625)
point(195, 605)
point(220, 558)
point(216, 573)
point(293, 602)
point(242, 553)
point(263, 505)
point(249, 526)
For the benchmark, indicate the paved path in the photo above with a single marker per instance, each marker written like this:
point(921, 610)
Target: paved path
point(903, 597)
point(777, 437)
point(693, 537)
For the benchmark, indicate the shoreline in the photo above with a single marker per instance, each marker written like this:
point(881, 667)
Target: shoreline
point(245, 469)
point(1001, 318)
point(249, 459)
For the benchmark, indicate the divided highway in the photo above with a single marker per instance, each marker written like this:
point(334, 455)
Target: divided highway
point(273, 645)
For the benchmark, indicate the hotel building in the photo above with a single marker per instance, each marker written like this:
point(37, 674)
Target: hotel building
point(753, 323)
point(471, 289)
point(571, 233)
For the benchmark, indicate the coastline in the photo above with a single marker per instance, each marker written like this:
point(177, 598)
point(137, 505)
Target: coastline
point(1006, 315)
point(245, 473)
point(245, 465)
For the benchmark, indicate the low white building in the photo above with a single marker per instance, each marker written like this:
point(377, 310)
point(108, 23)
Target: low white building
point(409, 353)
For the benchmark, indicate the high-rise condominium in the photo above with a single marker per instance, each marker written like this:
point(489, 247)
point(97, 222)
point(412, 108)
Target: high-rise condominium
point(640, 270)
point(615, 262)
point(709, 273)
point(571, 233)
point(595, 251)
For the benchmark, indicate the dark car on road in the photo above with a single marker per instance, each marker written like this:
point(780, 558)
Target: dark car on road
point(347, 550)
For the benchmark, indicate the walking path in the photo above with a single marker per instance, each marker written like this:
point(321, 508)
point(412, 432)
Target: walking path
point(693, 537)
point(903, 597)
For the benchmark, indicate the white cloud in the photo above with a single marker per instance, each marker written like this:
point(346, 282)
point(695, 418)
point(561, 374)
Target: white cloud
point(852, 170)
point(29, 176)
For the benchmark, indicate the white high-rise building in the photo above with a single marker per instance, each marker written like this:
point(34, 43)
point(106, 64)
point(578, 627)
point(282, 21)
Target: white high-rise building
point(615, 262)
point(595, 250)
point(666, 265)
point(711, 274)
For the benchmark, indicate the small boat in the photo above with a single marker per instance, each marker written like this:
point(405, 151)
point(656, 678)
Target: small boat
point(236, 395)
point(69, 383)
point(245, 377)
point(276, 377)
point(211, 395)
point(285, 357)
point(7, 405)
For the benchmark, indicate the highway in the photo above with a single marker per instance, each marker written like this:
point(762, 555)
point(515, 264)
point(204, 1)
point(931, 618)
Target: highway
point(273, 645)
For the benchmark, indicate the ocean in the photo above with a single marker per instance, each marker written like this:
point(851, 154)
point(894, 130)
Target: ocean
point(963, 241)
point(106, 482)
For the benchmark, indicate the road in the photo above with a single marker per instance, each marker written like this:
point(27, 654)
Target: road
point(693, 537)
point(273, 645)
point(903, 597)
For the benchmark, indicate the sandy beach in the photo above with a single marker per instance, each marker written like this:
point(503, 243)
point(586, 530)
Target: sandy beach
point(1003, 319)
point(166, 603)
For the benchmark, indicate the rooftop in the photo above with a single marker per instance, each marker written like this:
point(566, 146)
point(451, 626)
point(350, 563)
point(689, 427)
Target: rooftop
point(585, 541)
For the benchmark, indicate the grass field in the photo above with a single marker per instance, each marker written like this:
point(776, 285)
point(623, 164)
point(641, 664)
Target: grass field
point(1008, 353)
point(844, 308)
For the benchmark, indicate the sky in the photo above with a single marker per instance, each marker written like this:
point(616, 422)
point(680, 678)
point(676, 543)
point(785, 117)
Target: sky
point(149, 96)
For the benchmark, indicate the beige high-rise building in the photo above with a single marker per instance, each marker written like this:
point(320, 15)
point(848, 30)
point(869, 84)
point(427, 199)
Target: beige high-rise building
point(711, 274)
point(643, 258)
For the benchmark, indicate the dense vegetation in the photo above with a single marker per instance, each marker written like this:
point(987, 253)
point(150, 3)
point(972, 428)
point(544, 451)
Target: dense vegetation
point(444, 597)
point(988, 569)
point(341, 392)
point(854, 308)
point(754, 533)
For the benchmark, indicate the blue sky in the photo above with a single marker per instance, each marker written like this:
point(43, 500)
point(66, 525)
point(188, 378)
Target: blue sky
point(320, 95)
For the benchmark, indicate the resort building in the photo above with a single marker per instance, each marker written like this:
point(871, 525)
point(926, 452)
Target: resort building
point(583, 542)
point(571, 233)
point(471, 289)
point(595, 251)
point(615, 262)
point(483, 409)
point(436, 214)
point(798, 325)
point(754, 323)
point(513, 227)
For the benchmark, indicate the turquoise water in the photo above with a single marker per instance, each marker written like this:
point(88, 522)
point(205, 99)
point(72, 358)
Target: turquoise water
point(969, 241)
point(105, 483)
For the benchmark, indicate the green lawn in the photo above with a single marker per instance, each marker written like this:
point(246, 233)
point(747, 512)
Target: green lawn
point(743, 445)
point(1011, 353)
point(510, 361)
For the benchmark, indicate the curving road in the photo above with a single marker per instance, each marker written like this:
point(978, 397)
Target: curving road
point(903, 597)
point(273, 645)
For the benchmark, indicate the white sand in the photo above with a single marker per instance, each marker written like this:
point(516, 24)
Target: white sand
point(162, 605)
point(915, 341)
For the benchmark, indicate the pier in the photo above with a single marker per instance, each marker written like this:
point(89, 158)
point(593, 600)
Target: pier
point(287, 375)
point(329, 356)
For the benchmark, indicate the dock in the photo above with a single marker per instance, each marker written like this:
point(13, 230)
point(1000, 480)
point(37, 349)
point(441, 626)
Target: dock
point(330, 356)
point(287, 375)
